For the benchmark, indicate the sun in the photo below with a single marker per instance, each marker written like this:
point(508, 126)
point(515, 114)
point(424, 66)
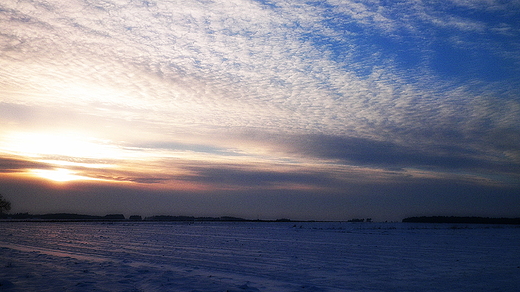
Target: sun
point(63, 153)
point(58, 175)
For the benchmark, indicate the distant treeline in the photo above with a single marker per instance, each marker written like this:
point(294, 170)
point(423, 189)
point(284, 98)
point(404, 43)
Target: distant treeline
point(61, 216)
point(455, 219)
point(191, 218)
point(112, 217)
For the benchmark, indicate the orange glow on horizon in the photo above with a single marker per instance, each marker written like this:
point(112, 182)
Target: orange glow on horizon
point(60, 143)
point(58, 175)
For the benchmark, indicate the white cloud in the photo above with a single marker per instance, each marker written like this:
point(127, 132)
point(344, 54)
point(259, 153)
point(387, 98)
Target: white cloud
point(192, 67)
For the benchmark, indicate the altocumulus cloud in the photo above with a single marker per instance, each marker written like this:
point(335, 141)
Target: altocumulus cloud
point(269, 95)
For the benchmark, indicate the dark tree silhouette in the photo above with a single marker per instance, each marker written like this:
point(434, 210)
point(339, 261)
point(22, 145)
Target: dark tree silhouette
point(5, 205)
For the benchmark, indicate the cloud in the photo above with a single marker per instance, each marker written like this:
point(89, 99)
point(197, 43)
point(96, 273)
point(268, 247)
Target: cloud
point(225, 65)
point(239, 177)
point(13, 164)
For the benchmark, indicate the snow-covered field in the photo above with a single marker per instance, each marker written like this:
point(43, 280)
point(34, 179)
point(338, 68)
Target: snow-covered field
point(254, 256)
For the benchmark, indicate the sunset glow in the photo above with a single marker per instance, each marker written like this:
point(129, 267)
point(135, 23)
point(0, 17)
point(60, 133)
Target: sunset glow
point(59, 144)
point(58, 175)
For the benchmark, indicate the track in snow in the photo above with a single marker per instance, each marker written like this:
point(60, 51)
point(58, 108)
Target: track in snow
point(245, 256)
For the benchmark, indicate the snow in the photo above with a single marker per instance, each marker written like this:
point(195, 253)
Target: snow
point(258, 256)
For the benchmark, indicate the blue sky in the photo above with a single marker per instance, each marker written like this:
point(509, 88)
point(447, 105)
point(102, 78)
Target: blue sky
point(310, 110)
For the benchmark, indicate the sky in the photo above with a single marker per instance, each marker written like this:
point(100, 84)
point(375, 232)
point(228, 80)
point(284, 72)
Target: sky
point(320, 110)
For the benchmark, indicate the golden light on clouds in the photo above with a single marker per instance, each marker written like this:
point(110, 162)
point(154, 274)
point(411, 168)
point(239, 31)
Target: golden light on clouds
point(58, 144)
point(58, 175)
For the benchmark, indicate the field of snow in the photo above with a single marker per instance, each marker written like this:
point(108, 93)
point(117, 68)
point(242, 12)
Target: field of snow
point(254, 256)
